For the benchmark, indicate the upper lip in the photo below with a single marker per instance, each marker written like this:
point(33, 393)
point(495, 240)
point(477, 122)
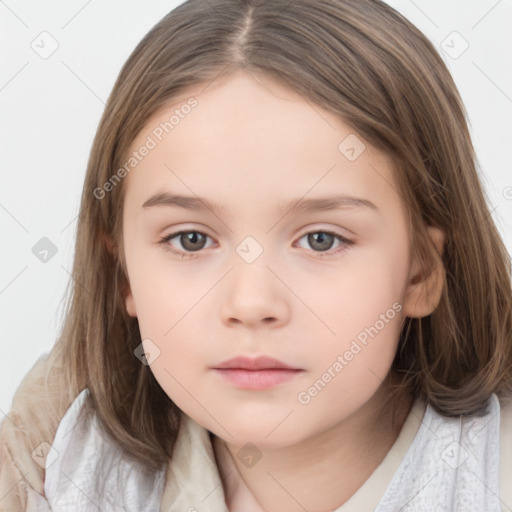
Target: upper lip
point(258, 363)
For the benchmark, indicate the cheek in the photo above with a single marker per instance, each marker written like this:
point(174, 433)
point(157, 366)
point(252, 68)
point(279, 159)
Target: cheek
point(171, 314)
point(354, 296)
point(164, 294)
point(349, 371)
point(362, 306)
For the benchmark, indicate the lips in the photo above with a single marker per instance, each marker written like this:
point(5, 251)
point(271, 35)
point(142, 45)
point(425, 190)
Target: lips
point(258, 373)
point(258, 363)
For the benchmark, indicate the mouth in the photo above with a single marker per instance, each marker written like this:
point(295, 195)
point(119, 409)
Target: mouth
point(256, 373)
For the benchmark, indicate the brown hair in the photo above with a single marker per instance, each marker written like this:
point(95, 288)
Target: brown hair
point(366, 63)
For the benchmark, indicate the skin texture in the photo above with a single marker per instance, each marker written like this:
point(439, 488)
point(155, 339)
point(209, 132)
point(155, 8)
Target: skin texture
point(252, 145)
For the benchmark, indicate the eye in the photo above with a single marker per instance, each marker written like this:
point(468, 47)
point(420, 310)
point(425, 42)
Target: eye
point(192, 241)
point(322, 242)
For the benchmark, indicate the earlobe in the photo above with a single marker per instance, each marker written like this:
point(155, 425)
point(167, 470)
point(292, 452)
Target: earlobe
point(130, 305)
point(111, 246)
point(127, 297)
point(112, 249)
point(424, 291)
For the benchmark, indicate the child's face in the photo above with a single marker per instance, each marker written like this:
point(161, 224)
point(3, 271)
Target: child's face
point(256, 283)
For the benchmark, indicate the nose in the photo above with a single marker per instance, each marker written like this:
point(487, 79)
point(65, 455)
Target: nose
point(254, 296)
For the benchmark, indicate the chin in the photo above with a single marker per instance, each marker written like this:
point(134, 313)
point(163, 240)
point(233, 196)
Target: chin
point(266, 433)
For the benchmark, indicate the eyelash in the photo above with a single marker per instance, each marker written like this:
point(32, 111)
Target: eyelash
point(346, 243)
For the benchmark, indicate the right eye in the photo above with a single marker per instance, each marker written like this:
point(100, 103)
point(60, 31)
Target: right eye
point(191, 242)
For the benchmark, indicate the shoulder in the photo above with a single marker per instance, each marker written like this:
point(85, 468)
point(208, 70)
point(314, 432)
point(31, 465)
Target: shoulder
point(452, 464)
point(26, 431)
point(84, 465)
point(21, 481)
point(506, 451)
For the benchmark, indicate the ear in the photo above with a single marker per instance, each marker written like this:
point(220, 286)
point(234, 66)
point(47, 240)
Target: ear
point(111, 246)
point(125, 286)
point(128, 297)
point(130, 304)
point(423, 292)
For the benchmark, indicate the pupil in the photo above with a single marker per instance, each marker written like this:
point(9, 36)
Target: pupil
point(191, 238)
point(321, 237)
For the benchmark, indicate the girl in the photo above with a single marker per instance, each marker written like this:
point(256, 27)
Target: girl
point(288, 291)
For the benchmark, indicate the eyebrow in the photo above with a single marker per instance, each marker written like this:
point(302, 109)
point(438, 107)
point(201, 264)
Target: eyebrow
point(309, 205)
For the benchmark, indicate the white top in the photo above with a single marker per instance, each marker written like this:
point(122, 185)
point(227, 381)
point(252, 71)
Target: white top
point(437, 463)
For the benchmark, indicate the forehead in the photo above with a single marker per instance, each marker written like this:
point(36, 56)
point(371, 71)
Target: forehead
point(249, 136)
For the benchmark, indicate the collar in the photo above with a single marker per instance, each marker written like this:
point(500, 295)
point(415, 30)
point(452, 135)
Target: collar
point(193, 482)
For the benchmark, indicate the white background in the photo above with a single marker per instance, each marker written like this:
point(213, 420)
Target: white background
point(50, 109)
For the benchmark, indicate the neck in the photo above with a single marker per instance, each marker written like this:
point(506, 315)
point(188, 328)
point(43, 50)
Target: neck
point(318, 474)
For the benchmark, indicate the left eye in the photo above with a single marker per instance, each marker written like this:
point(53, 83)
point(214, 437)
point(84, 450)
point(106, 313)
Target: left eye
point(194, 241)
point(325, 241)
point(190, 240)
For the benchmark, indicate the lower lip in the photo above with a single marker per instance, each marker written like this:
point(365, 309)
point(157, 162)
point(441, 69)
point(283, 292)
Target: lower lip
point(257, 379)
